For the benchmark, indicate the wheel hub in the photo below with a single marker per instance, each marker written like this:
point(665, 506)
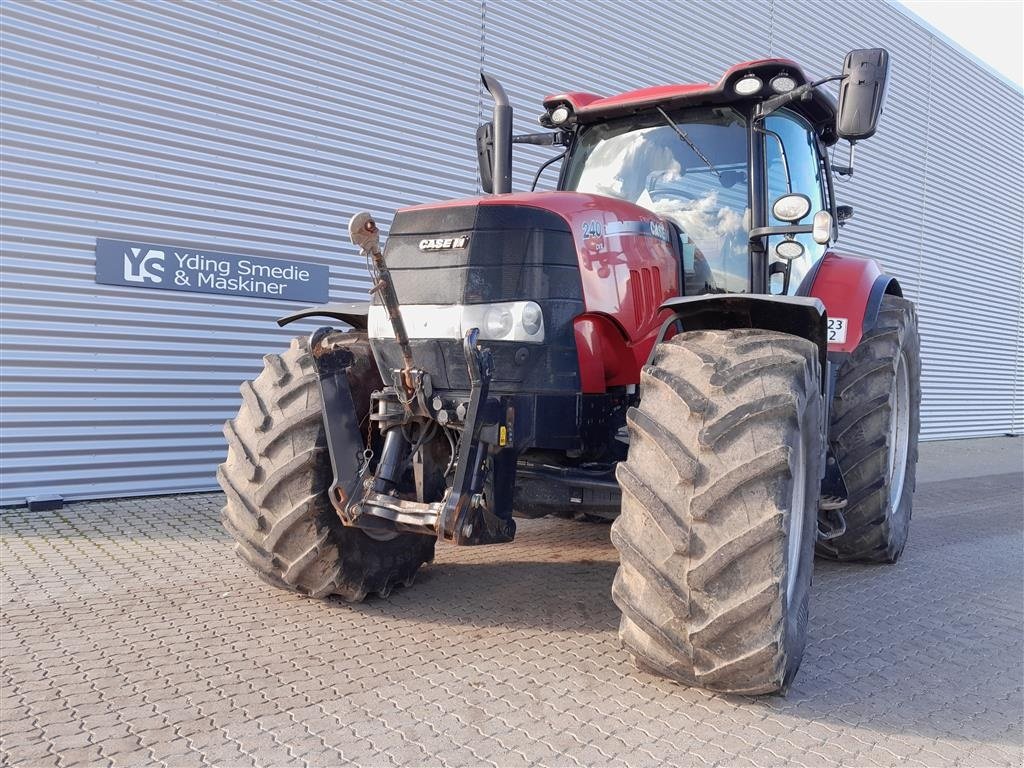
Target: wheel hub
point(899, 435)
point(795, 532)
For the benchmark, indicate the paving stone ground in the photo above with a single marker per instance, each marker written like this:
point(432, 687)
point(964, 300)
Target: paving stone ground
point(131, 636)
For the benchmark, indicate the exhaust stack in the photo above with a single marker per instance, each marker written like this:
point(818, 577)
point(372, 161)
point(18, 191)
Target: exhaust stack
point(501, 173)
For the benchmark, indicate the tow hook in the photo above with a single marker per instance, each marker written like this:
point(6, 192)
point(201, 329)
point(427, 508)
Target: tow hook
point(834, 524)
point(832, 500)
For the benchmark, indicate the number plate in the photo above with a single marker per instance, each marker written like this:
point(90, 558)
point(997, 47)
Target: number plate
point(837, 330)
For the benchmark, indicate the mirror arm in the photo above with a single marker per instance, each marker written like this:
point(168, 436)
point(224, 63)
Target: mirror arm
point(556, 139)
point(846, 170)
point(792, 229)
point(776, 103)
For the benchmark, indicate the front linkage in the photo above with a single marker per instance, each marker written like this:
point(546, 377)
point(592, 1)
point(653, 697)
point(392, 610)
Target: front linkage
point(466, 513)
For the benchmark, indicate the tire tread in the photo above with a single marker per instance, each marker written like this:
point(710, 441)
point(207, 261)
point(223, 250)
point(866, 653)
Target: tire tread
point(275, 479)
point(858, 434)
point(700, 574)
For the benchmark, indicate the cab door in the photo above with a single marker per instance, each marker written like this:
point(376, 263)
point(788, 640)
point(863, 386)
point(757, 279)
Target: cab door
point(794, 165)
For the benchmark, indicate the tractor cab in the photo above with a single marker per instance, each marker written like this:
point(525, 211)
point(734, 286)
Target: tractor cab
point(715, 159)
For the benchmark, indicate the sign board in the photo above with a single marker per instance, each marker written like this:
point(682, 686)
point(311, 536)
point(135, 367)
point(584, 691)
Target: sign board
point(174, 268)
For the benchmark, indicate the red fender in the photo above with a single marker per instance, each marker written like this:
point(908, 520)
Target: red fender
point(605, 359)
point(851, 288)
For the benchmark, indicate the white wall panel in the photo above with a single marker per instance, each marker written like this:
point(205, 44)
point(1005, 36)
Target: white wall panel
point(259, 127)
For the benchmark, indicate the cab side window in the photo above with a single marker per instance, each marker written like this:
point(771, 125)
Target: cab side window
point(794, 166)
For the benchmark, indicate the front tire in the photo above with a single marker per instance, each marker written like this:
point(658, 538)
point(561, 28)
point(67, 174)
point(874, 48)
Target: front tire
point(719, 509)
point(875, 423)
point(276, 480)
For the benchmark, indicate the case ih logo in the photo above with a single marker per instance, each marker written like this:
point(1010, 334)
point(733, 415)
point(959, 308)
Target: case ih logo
point(443, 243)
point(143, 265)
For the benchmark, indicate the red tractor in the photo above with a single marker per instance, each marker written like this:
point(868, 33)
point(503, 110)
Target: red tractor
point(667, 340)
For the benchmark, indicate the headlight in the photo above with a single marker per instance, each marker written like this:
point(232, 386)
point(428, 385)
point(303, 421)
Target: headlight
point(560, 115)
point(532, 318)
point(497, 323)
point(748, 85)
point(791, 207)
point(521, 321)
point(789, 250)
point(782, 83)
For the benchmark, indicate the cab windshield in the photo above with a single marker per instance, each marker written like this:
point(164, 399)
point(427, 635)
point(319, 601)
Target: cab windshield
point(690, 168)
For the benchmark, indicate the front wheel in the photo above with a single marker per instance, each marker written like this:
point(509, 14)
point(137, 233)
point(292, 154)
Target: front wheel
point(276, 479)
point(875, 423)
point(719, 509)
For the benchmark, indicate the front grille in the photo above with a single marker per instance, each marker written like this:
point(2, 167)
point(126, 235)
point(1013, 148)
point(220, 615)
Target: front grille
point(512, 253)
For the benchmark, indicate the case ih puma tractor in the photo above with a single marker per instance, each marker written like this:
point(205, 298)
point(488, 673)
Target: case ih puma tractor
point(667, 340)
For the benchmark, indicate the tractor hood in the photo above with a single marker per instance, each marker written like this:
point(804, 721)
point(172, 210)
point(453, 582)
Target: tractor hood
point(572, 254)
point(513, 226)
point(536, 245)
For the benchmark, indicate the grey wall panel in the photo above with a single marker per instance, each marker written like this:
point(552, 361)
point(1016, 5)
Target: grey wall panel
point(255, 128)
point(259, 127)
point(972, 262)
point(929, 191)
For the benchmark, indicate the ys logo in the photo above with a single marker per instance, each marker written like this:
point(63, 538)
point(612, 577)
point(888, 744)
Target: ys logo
point(143, 265)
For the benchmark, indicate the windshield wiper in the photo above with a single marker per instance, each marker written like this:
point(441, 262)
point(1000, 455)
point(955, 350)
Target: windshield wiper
point(689, 142)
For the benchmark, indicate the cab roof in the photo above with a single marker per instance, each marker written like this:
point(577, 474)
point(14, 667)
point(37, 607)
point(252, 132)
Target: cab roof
point(819, 110)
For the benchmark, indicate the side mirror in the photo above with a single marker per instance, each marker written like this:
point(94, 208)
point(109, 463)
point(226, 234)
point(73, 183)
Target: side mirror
point(862, 93)
point(485, 156)
point(844, 213)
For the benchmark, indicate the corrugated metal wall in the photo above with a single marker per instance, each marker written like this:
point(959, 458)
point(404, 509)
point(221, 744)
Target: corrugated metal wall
point(939, 202)
point(258, 127)
point(251, 128)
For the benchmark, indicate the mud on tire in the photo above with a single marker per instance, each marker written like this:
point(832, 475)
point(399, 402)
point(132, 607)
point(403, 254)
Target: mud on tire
point(276, 478)
point(727, 437)
point(875, 422)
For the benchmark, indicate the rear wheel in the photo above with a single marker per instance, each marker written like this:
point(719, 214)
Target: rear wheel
point(276, 478)
point(719, 509)
point(875, 423)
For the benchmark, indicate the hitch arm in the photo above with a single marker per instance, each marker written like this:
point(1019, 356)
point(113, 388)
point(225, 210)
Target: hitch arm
point(365, 235)
point(341, 425)
point(463, 516)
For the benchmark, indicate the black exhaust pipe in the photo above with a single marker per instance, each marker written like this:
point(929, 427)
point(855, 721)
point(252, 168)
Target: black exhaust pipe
point(501, 173)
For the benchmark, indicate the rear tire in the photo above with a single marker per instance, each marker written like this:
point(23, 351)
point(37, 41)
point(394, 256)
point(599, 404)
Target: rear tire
point(276, 478)
point(719, 509)
point(875, 423)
